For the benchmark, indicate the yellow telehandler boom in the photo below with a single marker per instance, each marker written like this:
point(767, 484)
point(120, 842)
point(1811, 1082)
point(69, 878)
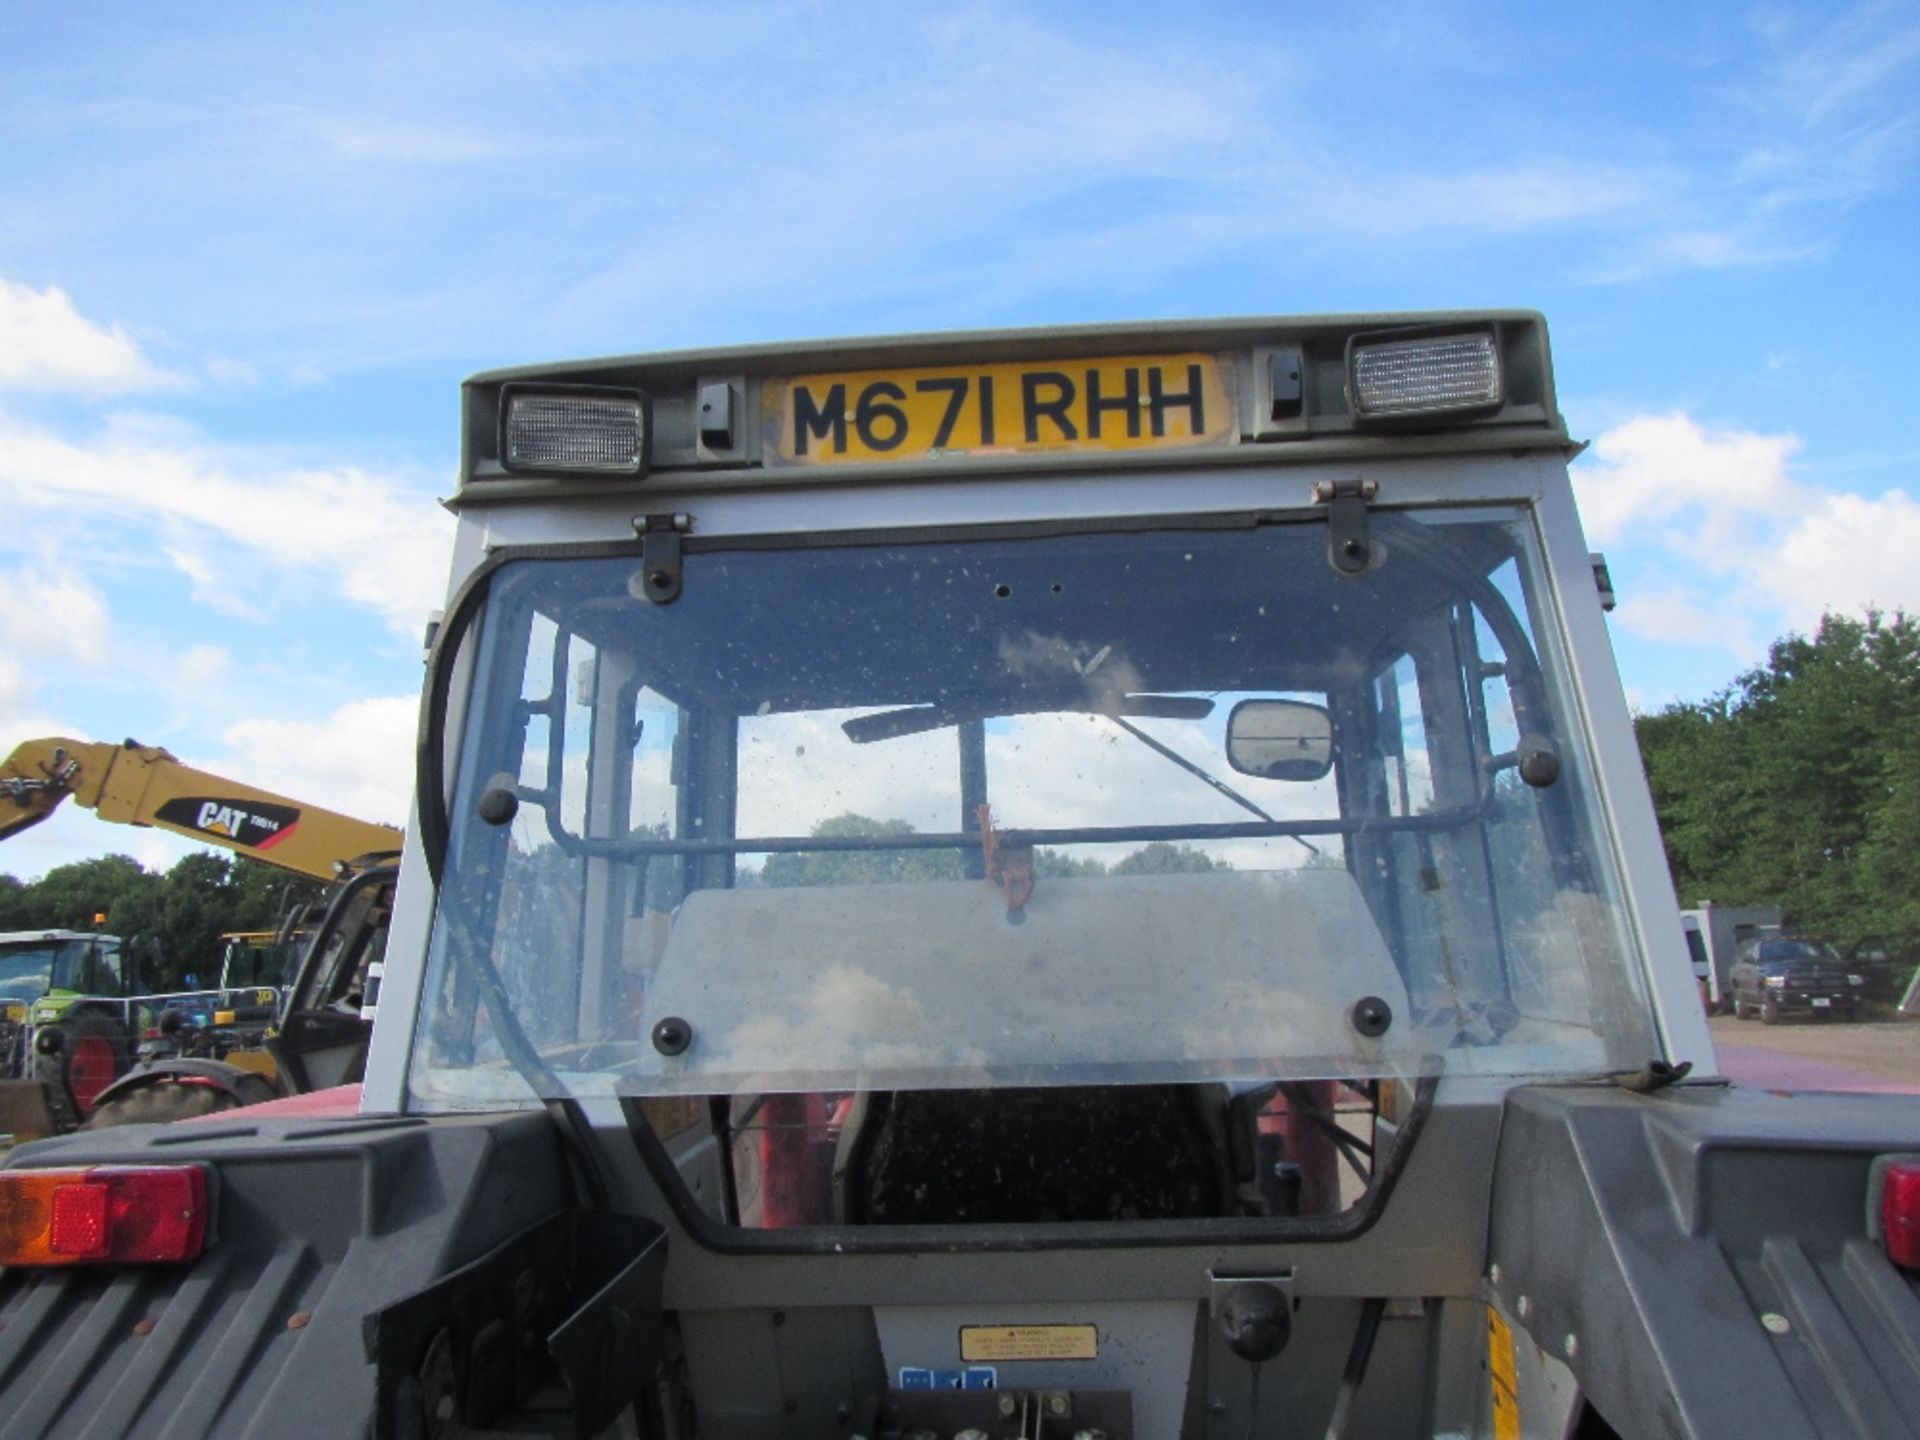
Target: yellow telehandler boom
point(135, 784)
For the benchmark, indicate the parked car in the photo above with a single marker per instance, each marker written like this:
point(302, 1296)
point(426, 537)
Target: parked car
point(1887, 966)
point(1782, 975)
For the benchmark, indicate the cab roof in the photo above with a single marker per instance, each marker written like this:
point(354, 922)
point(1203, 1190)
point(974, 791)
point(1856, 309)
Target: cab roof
point(688, 453)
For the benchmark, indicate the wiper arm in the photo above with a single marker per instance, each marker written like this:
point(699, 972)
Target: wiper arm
point(918, 719)
point(1194, 770)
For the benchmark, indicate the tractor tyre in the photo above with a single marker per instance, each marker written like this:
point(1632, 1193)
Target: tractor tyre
point(87, 1053)
point(165, 1101)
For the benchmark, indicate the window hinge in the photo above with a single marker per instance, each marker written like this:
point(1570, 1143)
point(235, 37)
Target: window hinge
point(660, 555)
point(1349, 545)
point(1603, 580)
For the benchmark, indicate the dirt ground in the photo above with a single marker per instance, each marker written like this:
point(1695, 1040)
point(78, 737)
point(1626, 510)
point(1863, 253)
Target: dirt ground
point(1884, 1049)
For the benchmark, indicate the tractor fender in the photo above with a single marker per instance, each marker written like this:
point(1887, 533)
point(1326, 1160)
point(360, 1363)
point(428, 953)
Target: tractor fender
point(232, 1087)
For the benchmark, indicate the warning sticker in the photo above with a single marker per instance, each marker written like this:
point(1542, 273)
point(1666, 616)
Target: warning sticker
point(1500, 1369)
point(1029, 1342)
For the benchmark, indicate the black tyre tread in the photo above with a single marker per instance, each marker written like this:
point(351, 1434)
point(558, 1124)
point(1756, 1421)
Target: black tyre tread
point(51, 1070)
point(165, 1101)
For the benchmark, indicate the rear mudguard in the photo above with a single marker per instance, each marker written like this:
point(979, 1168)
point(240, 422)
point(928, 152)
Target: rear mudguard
point(363, 1275)
point(244, 1086)
point(1698, 1263)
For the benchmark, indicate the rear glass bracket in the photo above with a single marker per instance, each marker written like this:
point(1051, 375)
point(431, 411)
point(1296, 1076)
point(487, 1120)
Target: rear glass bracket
point(660, 555)
point(1349, 546)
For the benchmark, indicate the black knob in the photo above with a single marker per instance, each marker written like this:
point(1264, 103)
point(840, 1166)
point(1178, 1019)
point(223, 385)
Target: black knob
point(1539, 765)
point(1371, 1016)
point(499, 805)
point(672, 1036)
point(1256, 1321)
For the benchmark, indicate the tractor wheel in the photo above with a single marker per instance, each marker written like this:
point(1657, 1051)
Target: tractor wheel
point(168, 1100)
point(77, 1058)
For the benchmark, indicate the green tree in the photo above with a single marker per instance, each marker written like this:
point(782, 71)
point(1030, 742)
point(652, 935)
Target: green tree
point(13, 904)
point(1890, 855)
point(1056, 864)
point(260, 895)
point(196, 902)
point(117, 887)
point(861, 867)
point(1796, 786)
point(1161, 857)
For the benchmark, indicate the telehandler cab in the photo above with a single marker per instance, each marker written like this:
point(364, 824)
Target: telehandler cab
point(1085, 883)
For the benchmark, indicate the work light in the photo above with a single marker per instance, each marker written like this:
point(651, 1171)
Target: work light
point(579, 430)
point(1424, 375)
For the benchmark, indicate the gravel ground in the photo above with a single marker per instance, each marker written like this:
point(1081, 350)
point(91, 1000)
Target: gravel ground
point(1885, 1049)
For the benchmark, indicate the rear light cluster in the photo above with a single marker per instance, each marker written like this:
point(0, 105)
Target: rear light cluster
point(1898, 1209)
point(107, 1215)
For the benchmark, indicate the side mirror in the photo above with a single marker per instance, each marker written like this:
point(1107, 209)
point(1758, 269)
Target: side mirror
point(1280, 739)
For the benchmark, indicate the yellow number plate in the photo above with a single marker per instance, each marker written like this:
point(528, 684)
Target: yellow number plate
point(1053, 406)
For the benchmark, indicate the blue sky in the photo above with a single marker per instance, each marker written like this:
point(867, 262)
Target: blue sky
point(246, 258)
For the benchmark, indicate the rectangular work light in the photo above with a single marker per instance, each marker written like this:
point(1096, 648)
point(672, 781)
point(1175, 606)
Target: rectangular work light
point(577, 430)
point(1428, 375)
point(103, 1215)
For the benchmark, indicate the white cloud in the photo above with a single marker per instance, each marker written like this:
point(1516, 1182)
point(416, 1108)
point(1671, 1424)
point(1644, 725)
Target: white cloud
point(387, 142)
point(1675, 616)
point(357, 760)
point(1728, 545)
point(1848, 60)
point(201, 666)
point(225, 370)
point(1654, 468)
point(378, 543)
point(207, 589)
point(1845, 552)
point(46, 344)
point(49, 611)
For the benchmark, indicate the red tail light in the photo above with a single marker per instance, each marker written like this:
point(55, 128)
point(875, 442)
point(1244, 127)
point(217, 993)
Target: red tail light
point(103, 1215)
point(1900, 1212)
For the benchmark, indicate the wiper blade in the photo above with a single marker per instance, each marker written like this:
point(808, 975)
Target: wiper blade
point(918, 719)
point(1169, 753)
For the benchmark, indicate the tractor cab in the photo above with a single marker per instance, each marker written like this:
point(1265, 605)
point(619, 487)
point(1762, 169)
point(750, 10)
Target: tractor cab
point(1071, 884)
point(48, 969)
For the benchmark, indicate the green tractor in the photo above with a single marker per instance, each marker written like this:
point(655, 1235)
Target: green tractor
point(69, 1021)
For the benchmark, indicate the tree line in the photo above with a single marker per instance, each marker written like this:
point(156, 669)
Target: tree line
point(186, 909)
point(886, 867)
point(1798, 785)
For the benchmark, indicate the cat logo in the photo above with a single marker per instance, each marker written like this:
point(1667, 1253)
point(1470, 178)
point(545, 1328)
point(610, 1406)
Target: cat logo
point(218, 819)
point(253, 824)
